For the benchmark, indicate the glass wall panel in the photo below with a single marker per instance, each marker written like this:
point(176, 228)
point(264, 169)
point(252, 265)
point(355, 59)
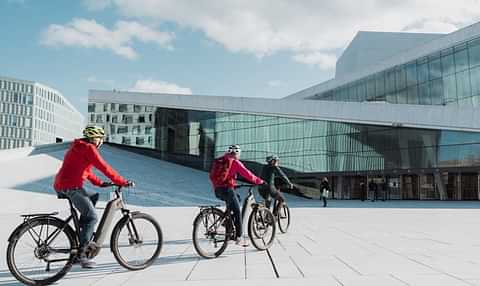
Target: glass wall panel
point(423, 94)
point(411, 73)
point(448, 63)
point(435, 67)
point(474, 52)
point(461, 58)
point(422, 70)
point(463, 84)
point(450, 88)
point(436, 91)
point(475, 80)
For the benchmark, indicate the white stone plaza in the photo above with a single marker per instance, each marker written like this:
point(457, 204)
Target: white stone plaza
point(347, 243)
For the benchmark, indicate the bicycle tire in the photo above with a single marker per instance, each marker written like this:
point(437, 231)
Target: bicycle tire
point(114, 243)
point(24, 229)
point(283, 222)
point(261, 217)
point(198, 223)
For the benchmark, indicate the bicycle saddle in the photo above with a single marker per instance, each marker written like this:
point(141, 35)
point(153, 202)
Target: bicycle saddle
point(62, 196)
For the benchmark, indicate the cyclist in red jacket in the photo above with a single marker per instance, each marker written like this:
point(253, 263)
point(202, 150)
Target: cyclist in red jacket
point(77, 166)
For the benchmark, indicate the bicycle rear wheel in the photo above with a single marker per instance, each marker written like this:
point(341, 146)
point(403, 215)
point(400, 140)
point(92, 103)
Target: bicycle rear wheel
point(40, 251)
point(261, 228)
point(210, 233)
point(283, 216)
point(136, 241)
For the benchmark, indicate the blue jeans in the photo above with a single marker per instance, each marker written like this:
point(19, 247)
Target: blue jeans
point(84, 201)
point(231, 200)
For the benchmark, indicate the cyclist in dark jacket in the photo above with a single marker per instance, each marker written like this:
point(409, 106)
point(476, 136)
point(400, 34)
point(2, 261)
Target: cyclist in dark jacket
point(269, 172)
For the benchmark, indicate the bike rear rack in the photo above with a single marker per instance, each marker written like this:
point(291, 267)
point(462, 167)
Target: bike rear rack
point(39, 214)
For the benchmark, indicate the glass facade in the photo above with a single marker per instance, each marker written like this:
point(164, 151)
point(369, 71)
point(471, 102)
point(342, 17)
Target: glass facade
point(305, 146)
point(449, 76)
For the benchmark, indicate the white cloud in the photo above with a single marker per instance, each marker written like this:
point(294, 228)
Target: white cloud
point(156, 86)
point(90, 34)
point(311, 30)
point(323, 60)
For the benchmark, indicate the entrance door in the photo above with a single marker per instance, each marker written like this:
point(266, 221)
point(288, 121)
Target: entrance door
point(410, 187)
point(469, 186)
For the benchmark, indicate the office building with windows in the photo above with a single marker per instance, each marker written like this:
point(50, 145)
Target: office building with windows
point(402, 111)
point(33, 114)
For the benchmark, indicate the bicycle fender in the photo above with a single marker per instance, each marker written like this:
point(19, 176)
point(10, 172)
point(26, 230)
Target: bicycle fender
point(17, 230)
point(119, 223)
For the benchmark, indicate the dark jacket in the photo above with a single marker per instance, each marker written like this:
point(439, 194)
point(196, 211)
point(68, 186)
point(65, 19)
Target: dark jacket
point(269, 172)
point(324, 185)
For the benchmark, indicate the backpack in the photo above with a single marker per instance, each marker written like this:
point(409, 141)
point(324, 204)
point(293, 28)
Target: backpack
point(220, 169)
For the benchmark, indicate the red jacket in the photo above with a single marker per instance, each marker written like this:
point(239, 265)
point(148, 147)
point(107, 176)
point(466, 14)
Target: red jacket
point(238, 168)
point(77, 166)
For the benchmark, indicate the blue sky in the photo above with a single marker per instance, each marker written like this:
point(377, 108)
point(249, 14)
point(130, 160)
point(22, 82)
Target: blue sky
point(259, 48)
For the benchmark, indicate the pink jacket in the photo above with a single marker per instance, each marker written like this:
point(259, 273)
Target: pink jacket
point(238, 168)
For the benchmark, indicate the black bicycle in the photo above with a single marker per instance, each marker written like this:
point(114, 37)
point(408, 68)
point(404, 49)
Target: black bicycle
point(281, 212)
point(44, 247)
point(213, 228)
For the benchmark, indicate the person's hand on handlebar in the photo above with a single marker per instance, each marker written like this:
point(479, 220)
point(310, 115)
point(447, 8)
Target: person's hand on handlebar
point(290, 186)
point(130, 184)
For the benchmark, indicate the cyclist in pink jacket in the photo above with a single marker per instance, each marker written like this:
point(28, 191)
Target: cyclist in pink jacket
point(224, 189)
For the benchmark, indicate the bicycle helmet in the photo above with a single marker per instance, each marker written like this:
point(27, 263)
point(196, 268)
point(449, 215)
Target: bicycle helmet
point(271, 158)
point(234, 149)
point(93, 132)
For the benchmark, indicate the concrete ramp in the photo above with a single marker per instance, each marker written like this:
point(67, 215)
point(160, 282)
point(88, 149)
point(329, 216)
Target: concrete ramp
point(159, 183)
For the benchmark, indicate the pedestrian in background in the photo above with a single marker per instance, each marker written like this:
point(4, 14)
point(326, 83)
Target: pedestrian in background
point(324, 191)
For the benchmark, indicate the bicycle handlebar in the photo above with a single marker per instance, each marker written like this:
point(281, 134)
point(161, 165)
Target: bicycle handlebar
point(245, 186)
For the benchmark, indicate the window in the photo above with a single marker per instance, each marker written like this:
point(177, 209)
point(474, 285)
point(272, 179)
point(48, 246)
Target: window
point(141, 119)
point(122, 107)
point(126, 140)
point(148, 130)
point(122, 129)
point(127, 119)
point(140, 141)
point(114, 118)
point(99, 118)
point(91, 107)
point(113, 107)
point(137, 108)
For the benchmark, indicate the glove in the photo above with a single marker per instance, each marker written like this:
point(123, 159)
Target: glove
point(130, 184)
point(290, 186)
point(106, 184)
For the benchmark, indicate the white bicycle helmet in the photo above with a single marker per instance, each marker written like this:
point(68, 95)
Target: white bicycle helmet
point(234, 149)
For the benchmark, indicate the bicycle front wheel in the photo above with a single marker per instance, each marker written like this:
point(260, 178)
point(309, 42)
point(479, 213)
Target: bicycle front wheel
point(283, 215)
point(136, 241)
point(261, 228)
point(210, 233)
point(40, 251)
